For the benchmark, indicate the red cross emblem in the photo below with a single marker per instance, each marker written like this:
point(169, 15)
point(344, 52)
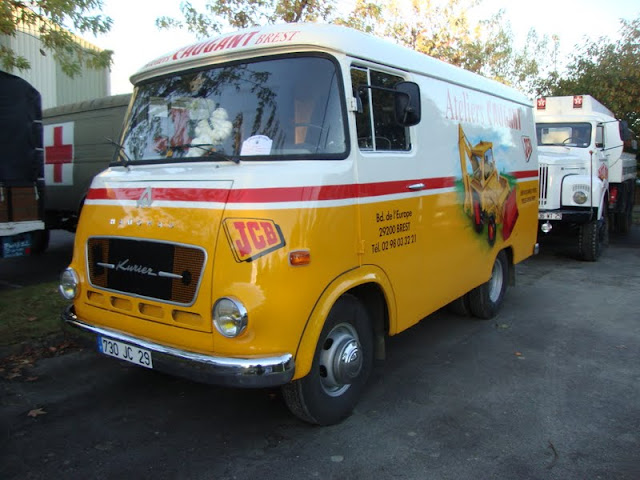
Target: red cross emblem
point(58, 154)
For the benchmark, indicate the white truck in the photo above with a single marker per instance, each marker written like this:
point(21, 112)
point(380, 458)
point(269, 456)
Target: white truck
point(586, 181)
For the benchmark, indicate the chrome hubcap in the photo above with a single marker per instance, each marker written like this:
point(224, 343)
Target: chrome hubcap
point(496, 281)
point(340, 359)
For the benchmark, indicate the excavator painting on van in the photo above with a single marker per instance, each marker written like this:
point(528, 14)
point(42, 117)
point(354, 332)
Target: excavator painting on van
point(489, 199)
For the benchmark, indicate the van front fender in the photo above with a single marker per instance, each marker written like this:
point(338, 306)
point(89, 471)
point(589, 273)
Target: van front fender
point(366, 274)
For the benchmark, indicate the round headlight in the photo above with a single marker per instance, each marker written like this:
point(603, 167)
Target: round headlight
point(579, 197)
point(68, 284)
point(229, 317)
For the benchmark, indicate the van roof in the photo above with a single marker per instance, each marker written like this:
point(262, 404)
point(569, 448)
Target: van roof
point(296, 37)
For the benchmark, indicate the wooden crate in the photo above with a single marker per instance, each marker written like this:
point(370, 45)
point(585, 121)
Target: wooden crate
point(24, 204)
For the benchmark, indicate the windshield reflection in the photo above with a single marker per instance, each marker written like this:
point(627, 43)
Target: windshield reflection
point(287, 107)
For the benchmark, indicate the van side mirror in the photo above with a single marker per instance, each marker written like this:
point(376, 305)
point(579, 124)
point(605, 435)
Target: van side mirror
point(407, 104)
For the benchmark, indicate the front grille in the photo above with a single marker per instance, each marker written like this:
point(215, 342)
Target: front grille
point(161, 271)
point(544, 177)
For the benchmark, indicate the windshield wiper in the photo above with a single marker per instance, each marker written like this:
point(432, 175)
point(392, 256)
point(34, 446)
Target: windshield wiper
point(207, 151)
point(121, 153)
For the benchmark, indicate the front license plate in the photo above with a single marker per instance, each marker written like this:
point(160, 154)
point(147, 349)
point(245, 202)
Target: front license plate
point(124, 351)
point(549, 216)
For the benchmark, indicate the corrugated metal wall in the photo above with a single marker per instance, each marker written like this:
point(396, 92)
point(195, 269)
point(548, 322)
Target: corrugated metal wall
point(47, 77)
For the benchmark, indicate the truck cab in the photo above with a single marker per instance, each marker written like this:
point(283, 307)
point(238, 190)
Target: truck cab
point(581, 166)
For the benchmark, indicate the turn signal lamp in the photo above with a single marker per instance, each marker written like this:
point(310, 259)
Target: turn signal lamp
point(299, 258)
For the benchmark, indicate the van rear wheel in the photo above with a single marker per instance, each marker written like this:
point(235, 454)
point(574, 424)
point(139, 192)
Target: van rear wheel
point(341, 366)
point(486, 300)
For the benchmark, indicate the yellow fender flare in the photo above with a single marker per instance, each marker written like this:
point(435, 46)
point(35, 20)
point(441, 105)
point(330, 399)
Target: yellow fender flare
point(342, 284)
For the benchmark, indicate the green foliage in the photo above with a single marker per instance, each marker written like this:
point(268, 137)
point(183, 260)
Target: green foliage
point(442, 30)
point(445, 31)
point(608, 70)
point(222, 14)
point(51, 20)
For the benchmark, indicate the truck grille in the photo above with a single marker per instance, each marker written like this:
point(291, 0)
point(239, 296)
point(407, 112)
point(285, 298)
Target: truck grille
point(543, 178)
point(161, 271)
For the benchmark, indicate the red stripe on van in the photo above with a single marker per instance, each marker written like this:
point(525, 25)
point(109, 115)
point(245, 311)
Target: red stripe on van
point(272, 195)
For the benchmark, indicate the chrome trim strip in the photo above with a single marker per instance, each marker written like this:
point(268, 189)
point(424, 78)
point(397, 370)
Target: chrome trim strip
point(170, 275)
point(238, 372)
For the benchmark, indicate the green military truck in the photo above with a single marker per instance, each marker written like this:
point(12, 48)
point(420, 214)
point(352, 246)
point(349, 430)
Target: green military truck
point(78, 141)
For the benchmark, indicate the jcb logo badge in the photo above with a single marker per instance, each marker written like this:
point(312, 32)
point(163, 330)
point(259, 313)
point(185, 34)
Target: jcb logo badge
point(251, 238)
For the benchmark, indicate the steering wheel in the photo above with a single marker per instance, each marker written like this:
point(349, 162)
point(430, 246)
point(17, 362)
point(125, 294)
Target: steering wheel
point(573, 137)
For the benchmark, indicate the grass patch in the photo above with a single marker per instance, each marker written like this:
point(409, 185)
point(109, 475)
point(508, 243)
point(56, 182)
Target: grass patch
point(30, 313)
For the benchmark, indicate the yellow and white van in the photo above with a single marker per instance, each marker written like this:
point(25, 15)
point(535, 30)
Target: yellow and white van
point(288, 196)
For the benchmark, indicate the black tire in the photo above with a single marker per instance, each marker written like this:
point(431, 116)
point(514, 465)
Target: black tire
point(40, 241)
point(328, 394)
point(624, 221)
point(460, 306)
point(592, 239)
point(486, 300)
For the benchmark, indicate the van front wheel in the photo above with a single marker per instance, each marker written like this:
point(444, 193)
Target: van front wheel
point(341, 366)
point(485, 301)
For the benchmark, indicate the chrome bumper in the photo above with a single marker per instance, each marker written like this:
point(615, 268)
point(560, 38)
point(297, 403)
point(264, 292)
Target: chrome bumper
point(233, 372)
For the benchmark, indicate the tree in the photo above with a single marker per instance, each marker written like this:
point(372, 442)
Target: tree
point(445, 31)
point(608, 70)
point(220, 14)
point(442, 30)
point(52, 20)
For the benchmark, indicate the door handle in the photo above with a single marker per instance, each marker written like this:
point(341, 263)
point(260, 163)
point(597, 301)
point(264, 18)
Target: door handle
point(416, 186)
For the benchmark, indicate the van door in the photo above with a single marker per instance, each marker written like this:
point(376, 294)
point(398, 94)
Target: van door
point(390, 189)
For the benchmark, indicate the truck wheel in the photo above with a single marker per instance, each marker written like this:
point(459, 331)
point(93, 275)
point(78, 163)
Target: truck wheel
point(40, 241)
point(624, 221)
point(593, 237)
point(341, 366)
point(486, 300)
point(460, 306)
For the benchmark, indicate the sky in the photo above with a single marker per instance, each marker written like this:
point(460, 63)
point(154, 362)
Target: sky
point(135, 39)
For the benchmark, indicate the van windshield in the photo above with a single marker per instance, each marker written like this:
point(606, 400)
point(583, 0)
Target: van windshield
point(280, 108)
point(567, 134)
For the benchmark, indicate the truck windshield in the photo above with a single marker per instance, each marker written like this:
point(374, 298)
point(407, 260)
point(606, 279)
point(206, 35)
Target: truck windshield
point(567, 134)
point(280, 108)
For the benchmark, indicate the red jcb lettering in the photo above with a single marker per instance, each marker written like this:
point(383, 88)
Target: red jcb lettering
point(258, 240)
point(270, 233)
point(243, 245)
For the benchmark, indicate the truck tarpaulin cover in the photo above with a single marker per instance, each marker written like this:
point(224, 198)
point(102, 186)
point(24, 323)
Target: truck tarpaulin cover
point(20, 132)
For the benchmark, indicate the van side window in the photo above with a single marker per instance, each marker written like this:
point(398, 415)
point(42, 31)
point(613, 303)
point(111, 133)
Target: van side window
point(377, 112)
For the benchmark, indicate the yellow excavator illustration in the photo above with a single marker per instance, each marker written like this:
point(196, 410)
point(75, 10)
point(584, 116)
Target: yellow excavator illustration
point(488, 198)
